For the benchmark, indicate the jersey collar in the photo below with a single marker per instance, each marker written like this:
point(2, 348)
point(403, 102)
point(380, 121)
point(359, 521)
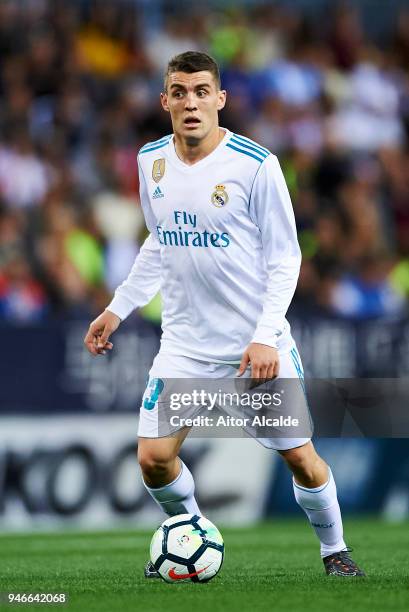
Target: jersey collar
point(202, 162)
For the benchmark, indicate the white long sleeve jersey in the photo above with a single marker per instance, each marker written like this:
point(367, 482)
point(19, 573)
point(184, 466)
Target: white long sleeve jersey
point(222, 249)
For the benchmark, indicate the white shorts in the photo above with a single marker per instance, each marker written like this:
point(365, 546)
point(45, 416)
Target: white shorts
point(167, 367)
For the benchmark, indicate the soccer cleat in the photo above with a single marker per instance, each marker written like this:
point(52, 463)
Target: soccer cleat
point(150, 571)
point(341, 564)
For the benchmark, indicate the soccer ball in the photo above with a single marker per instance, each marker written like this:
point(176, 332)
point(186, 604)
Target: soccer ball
point(187, 548)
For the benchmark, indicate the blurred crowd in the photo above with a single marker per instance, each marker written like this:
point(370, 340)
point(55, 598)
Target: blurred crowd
point(79, 94)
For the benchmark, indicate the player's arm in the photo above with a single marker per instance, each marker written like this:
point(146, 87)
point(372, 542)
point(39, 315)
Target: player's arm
point(272, 212)
point(142, 283)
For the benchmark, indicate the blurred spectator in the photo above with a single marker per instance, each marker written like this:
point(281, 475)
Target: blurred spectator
point(368, 118)
point(346, 37)
point(120, 222)
point(22, 298)
point(24, 178)
point(100, 42)
point(178, 34)
point(368, 292)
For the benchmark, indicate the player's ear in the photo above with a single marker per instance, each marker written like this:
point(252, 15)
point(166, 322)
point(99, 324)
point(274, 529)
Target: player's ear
point(164, 101)
point(221, 101)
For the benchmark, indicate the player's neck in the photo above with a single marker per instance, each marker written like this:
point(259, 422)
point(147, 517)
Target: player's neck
point(191, 153)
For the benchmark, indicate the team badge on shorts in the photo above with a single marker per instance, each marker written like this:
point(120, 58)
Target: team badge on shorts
point(219, 196)
point(158, 169)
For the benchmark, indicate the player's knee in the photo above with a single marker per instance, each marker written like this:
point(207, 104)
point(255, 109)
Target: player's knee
point(300, 461)
point(155, 463)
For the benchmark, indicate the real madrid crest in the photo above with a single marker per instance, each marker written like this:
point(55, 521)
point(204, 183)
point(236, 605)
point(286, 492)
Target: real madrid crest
point(219, 196)
point(158, 169)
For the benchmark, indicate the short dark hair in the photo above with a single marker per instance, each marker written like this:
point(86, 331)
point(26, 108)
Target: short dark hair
point(193, 61)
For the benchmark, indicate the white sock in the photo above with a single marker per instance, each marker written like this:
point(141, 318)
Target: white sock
point(323, 511)
point(177, 497)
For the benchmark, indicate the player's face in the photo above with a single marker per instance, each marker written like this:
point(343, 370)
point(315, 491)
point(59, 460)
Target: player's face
point(193, 101)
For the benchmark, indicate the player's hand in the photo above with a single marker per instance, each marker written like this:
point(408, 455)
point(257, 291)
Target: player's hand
point(264, 361)
point(99, 331)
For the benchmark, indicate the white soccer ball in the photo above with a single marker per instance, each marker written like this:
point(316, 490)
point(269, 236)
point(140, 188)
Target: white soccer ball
point(187, 548)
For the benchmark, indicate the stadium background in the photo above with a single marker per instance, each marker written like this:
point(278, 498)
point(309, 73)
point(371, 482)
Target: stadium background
point(326, 88)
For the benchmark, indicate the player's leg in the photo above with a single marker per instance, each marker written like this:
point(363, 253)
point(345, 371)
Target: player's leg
point(166, 478)
point(315, 490)
point(313, 482)
point(316, 493)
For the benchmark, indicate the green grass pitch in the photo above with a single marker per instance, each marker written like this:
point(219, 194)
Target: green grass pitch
point(274, 567)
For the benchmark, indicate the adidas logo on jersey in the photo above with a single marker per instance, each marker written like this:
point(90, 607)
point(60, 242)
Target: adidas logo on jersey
point(157, 193)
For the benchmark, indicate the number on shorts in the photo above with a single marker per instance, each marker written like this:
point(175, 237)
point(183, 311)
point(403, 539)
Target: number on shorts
point(153, 390)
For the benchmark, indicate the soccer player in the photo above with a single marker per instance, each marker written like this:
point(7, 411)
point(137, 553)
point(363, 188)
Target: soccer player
point(223, 251)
